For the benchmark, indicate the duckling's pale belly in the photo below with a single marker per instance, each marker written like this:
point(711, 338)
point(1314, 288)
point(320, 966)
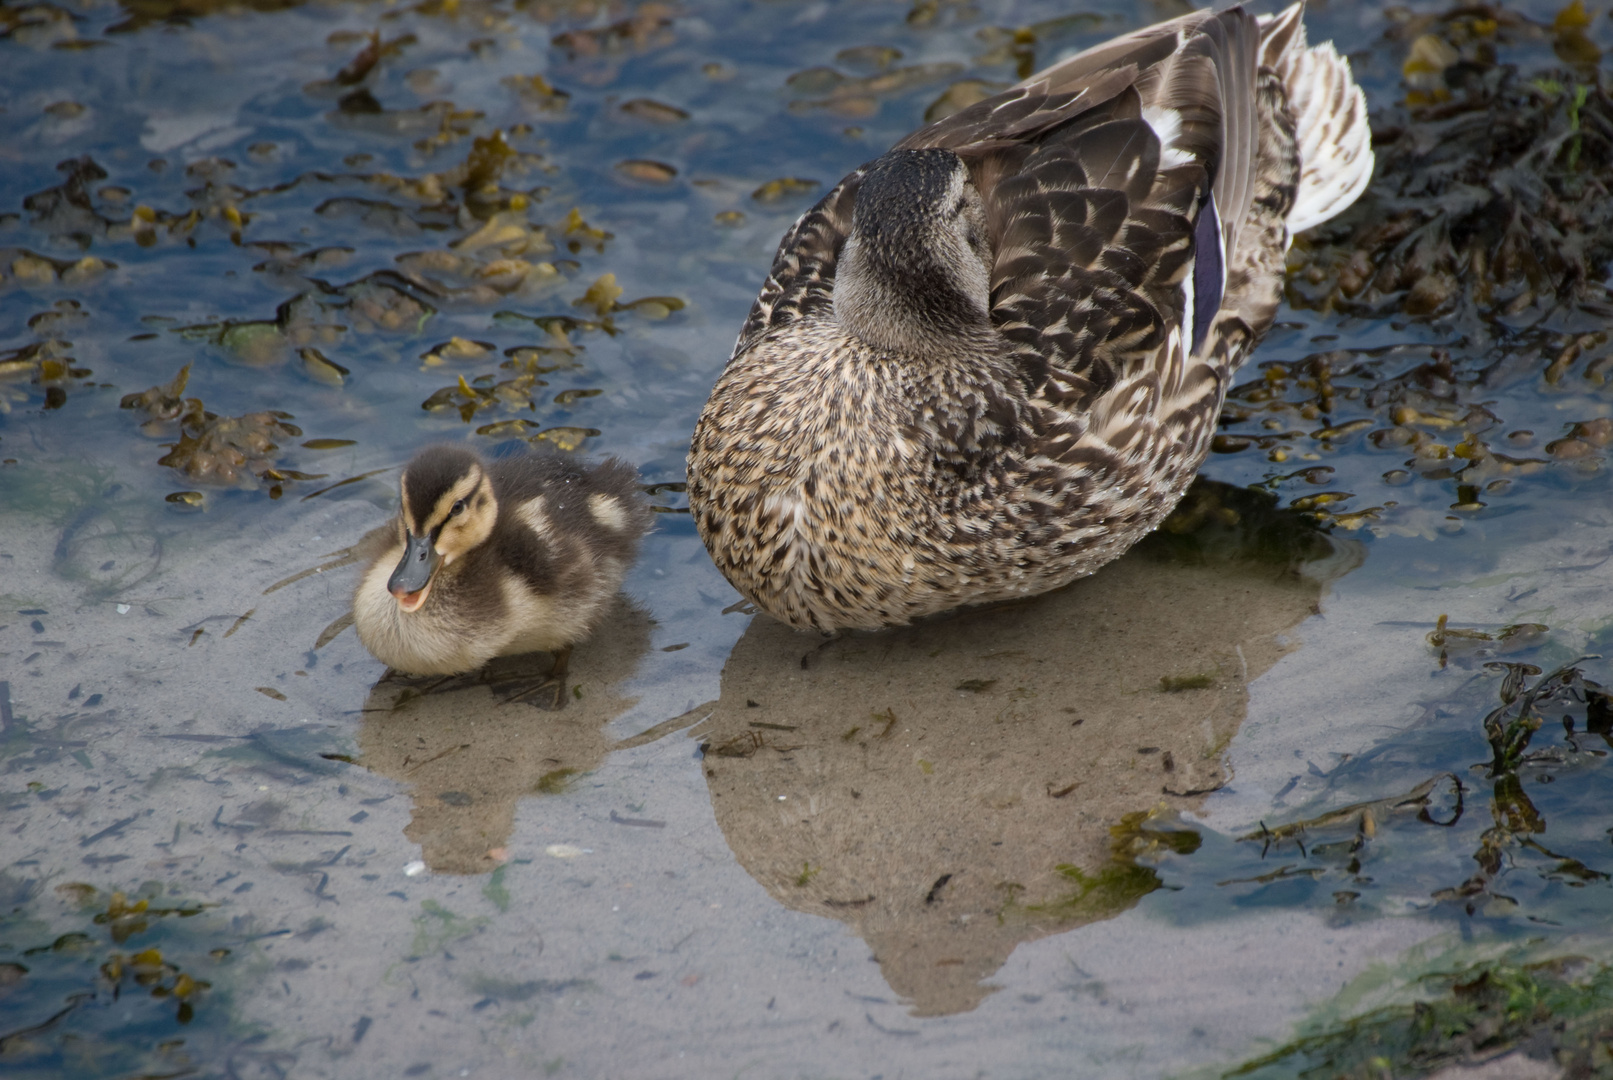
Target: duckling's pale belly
point(851, 492)
point(431, 641)
point(448, 637)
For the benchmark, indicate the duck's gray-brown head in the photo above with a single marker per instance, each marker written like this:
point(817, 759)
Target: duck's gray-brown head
point(447, 509)
point(914, 275)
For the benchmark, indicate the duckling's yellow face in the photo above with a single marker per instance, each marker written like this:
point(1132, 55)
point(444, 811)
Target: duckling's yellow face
point(448, 510)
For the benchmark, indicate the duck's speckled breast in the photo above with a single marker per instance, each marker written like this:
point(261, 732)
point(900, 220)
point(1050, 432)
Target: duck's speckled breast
point(840, 487)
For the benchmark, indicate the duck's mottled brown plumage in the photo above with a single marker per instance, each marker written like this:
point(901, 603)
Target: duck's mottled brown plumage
point(990, 361)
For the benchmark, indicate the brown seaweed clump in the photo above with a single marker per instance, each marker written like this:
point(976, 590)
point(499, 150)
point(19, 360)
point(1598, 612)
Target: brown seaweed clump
point(213, 449)
point(232, 449)
point(1490, 197)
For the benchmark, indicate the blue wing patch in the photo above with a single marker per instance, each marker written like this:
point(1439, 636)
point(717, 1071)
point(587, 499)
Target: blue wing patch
point(1208, 272)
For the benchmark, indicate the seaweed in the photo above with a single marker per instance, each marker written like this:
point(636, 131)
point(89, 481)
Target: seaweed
point(1559, 1009)
point(130, 992)
point(1345, 843)
point(1489, 199)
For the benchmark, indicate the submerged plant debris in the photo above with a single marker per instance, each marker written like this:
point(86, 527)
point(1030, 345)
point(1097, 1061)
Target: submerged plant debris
point(130, 989)
point(1490, 199)
point(1489, 224)
point(1557, 1010)
point(1537, 854)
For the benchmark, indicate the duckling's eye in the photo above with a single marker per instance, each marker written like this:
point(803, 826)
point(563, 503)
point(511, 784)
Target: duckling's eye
point(459, 508)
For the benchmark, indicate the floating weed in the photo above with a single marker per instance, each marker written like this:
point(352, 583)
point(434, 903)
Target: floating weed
point(960, 95)
point(1018, 45)
point(648, 28)
point(1374, 855)
point(1431, 414)
point(564, 438)
point(655, 112)
point(436, 927)
point(537, 93)
point(580, 234)
point(457, 349)
point(646, 171)
point(852, 97)
point(468, 399)
point(45, 364)
point(1559, 1008)
point(555, 782)
point(1118, 885)
point(133, 992)
point(785, 187)
point(1451, 641)
point(322, 369)
point(19, 266)
point(495, 890)
point(229, 451)
point(601, 295)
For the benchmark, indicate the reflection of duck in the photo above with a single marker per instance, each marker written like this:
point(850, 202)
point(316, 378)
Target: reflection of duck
point(953, 789)
point(488, 559)
point(991, 360)
point(469, 760)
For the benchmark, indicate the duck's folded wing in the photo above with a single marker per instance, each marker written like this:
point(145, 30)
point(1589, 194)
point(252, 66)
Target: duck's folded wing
point(801, 280)
point(1094, 174)
point(1114, 185)
point(1098, 176)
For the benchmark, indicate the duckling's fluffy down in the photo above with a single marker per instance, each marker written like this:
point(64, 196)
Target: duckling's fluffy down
point(562, 538)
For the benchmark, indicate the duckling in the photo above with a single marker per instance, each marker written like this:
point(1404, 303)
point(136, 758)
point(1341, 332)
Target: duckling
point(496, 558)
point(991, 360)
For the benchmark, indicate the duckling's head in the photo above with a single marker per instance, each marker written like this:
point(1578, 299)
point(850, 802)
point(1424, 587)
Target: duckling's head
point(448, 509)
point(914, 275)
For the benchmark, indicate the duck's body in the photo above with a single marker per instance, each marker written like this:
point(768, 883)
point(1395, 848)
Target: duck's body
point(991, 360)
point(498, 558)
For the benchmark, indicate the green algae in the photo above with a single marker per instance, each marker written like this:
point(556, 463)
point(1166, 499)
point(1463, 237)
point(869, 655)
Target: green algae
point(1556, 1007)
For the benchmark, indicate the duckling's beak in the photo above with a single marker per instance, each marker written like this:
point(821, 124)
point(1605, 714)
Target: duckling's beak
point(411, 581)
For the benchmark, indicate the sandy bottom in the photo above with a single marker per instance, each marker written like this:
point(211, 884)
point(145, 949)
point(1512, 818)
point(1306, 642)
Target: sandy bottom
point(922, 854)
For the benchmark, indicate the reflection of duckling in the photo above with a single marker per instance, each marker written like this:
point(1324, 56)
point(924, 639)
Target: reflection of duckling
point(464, 802)
point(496, 558)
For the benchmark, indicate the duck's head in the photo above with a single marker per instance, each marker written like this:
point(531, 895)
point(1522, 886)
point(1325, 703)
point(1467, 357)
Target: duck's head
point(915, 272)
point(448, 509)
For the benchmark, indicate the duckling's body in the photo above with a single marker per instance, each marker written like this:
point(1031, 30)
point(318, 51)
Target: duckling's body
point(497, 558)
point(991, 360)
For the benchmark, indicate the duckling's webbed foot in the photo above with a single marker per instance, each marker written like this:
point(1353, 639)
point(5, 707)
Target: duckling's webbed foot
point(424, 684)
point(545, 691)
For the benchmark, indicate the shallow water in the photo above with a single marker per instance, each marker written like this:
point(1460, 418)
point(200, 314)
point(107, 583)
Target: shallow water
point(1223, 793)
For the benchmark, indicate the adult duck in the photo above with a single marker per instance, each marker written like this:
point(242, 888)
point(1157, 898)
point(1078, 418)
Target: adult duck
point(991, 360)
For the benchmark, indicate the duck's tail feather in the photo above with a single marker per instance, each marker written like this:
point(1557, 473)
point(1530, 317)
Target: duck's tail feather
point(1330, 119)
